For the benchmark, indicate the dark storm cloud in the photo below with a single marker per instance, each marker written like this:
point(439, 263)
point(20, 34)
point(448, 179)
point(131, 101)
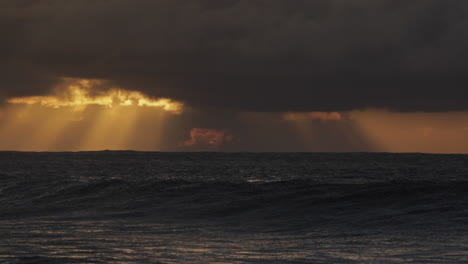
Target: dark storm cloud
point(260, 55)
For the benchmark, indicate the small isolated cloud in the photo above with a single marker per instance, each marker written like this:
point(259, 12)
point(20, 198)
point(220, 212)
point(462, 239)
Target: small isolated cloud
point(211, 138)
point(324, 116)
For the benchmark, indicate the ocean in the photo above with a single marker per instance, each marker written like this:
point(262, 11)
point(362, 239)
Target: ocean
point(150, 207)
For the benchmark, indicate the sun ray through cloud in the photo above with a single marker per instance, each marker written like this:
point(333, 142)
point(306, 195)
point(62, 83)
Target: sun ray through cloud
point(108, 116)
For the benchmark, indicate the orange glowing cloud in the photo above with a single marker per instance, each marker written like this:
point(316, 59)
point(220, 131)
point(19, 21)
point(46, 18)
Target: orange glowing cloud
point(80, 93)
point(323, 116)
point(203, 137)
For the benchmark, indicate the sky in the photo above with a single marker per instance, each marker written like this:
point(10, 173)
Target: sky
point(234, 75)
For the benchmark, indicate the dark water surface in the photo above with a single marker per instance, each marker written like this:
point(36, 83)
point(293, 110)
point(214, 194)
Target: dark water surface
point(136, 207)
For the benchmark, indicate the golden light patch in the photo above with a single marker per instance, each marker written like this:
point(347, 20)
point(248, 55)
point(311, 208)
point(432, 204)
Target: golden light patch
point(443, 132)
point(80, 93)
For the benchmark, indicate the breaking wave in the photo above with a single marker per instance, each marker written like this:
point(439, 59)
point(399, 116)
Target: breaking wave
point(282, 201)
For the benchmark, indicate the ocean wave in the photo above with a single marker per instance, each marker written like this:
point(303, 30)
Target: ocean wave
point(289, 200)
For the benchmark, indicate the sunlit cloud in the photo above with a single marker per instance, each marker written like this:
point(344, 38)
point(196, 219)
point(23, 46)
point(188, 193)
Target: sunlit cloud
point(203, 137)
point(79, 94)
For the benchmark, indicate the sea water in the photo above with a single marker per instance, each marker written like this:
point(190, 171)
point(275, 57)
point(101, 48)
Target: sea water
point(143, 207)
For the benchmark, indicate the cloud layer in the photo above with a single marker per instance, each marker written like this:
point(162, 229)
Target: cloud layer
point(249, 55)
